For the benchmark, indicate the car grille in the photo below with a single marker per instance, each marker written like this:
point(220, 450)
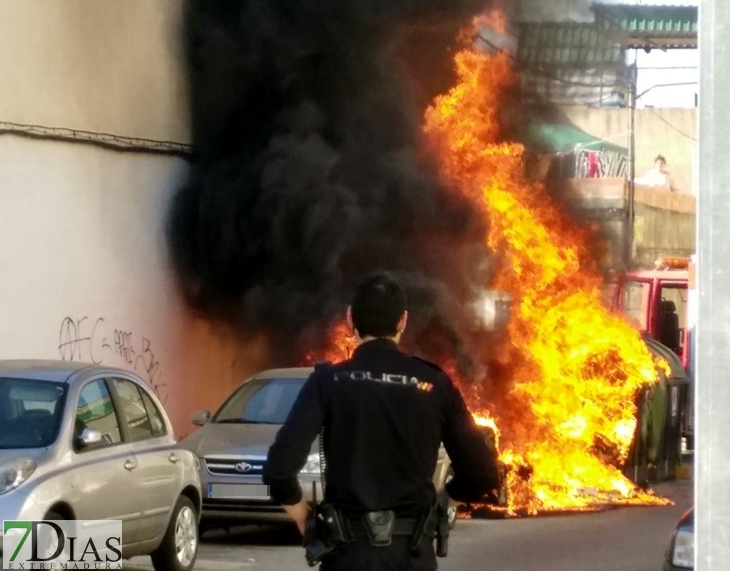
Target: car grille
point(235, 466)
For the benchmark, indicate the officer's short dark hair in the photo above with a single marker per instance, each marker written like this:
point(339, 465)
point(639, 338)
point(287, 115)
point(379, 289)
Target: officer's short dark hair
point(378, 305)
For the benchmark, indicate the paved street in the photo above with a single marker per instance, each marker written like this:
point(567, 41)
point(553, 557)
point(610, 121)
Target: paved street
point(628, 539)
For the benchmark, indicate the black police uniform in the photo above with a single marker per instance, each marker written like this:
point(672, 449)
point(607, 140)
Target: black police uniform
point(384, 416)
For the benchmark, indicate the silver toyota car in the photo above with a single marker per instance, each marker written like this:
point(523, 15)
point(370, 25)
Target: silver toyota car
point(233, 444)
point(82, 442)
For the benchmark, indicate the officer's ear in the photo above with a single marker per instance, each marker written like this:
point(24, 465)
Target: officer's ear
point(350, 323)
point(402, 322)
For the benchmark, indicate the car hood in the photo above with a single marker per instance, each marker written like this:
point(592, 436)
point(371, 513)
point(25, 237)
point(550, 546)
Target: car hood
point(37, 454)
point(234, 439)
point(688, 521)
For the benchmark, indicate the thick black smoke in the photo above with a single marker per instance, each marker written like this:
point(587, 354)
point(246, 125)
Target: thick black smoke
point(308, 171)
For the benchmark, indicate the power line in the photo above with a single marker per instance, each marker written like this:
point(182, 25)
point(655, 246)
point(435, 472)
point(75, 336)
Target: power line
point(669, 124)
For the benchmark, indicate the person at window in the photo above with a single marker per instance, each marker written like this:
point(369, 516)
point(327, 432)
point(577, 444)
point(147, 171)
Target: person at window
point(659, 176)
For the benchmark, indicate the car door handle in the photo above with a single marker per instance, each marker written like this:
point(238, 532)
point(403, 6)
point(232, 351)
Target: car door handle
point(173, 458)
point(130, 465)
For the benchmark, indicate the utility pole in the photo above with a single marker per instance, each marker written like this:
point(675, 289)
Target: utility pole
point(712, 394)
point(631, 216)
point(631, 194)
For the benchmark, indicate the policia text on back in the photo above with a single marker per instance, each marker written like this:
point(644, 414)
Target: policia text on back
point(381, 417)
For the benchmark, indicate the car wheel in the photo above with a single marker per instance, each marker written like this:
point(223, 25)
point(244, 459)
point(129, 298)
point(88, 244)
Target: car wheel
point(179, 547)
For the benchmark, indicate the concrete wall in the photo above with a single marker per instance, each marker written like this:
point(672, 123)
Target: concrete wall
point(664, 222)
point(668, 132)
point(82, 250)
point(665, 225)
point(113, 67)
point(85, 274)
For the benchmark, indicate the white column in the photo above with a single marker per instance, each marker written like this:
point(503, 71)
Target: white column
point(712, 469)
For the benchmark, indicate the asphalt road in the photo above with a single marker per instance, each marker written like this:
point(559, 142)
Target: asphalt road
point(625, 539)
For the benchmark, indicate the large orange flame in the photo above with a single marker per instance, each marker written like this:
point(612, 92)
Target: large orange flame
point(567, 422)
point(575, 367)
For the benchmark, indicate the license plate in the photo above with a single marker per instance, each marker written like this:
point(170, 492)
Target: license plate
point(238, 492)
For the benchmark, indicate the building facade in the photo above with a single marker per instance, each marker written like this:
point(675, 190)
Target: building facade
point(94, 137)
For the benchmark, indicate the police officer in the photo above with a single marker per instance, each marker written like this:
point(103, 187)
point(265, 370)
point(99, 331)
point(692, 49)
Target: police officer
point(382, 416)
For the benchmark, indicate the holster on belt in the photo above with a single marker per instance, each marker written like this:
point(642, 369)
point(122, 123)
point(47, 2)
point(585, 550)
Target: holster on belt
point(329, 530)
point(426, 529)
point(434, 524)
point(443, 528)
point(379, 527)
point(324, 534)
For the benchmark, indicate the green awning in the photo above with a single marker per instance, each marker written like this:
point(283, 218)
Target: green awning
point(556, 138)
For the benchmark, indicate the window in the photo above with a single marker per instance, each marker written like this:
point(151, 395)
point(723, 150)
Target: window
point(635, 302)
point(30, 413)
point(96, 410)
point(261, 401)
point(156, 422)
point(672, 319)
point(133, 410)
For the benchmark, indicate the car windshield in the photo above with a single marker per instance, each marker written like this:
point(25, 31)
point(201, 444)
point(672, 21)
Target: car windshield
point(30, 412)
point(261, 401)
point(636, 301)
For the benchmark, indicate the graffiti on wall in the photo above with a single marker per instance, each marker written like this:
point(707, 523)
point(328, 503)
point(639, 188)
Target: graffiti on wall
point(93, 340)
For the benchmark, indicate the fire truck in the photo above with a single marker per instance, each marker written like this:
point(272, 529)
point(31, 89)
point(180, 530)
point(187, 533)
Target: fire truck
point(661, 303)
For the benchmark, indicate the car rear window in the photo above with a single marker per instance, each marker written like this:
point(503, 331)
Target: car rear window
point(261, 401)
point(30, 412)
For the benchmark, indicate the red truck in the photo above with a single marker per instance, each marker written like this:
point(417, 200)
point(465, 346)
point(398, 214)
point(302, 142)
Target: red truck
point(661, 303)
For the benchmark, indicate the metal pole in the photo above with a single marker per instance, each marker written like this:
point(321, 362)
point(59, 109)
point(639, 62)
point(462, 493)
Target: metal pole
point(712, 487)
point(632, 174)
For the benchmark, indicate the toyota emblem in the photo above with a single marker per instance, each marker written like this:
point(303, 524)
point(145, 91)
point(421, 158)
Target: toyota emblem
point(243, 467)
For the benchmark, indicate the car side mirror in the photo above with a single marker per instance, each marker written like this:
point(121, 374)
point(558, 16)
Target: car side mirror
point(90, 437)
point(201, 417)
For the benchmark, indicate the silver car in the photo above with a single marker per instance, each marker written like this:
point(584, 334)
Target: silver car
point(233, 444)
point(83, 442)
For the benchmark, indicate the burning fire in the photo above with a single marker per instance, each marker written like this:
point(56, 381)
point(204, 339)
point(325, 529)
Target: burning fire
point(565, 426)
point(574, 367)
point(341, 343)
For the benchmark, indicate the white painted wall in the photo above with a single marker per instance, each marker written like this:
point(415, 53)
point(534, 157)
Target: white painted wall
point(112, 66)
point(84, 272)
point(83, 265)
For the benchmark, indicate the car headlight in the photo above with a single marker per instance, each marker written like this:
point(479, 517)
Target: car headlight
point(683, 554)
point(14, 472)
point(312, 466)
